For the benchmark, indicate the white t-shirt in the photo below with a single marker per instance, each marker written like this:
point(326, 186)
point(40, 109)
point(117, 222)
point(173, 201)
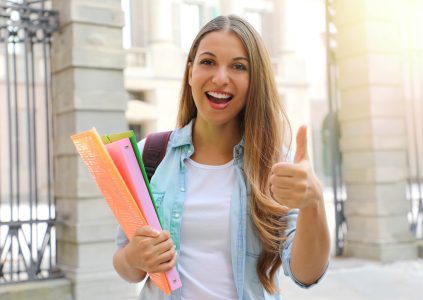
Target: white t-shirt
point(205, 254)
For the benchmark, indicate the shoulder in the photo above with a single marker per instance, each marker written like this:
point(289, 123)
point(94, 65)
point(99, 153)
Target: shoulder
point(141, 143)
point(179, 137)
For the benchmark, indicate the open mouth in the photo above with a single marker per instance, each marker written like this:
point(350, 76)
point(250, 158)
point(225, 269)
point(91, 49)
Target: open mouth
point(219, 97)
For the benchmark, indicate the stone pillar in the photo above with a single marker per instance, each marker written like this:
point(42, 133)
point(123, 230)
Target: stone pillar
point(138, 22)
point(228, 7)
point(373, 130)
point(165, 65)
point(290, 69)
point(161, 21)
point(166, 57)
point(286, 34)
point(87, 64)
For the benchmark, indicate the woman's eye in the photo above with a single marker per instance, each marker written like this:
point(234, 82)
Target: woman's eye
point(206, 62)
point(240, 67)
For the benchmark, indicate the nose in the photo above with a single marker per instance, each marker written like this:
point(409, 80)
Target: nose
point(221, 76)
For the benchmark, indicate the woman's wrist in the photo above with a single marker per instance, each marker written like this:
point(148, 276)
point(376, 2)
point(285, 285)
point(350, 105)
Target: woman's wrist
point(316, 197)
point(138, 273)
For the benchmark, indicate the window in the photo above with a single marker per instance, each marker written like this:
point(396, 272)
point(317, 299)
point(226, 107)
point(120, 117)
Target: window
point(137, 95)
point(255, 18)
point(190, 24)
point(139, 130)
point(126, 31)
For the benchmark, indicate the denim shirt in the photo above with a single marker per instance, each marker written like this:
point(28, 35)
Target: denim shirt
point(168, 186)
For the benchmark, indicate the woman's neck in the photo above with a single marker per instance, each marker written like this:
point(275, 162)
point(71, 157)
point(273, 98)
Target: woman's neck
point(214, 144)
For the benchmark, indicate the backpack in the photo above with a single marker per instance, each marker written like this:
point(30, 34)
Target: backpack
point(154, 151)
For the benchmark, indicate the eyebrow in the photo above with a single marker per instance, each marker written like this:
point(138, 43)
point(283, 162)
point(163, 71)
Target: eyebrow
point(236, 58)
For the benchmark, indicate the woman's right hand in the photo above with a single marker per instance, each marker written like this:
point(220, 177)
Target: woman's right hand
point(150, 250)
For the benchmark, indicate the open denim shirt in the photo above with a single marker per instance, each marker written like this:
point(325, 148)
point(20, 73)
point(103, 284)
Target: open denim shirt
point(169, 190)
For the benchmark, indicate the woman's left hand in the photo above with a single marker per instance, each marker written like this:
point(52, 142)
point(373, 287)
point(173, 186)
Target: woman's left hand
point(295, 185)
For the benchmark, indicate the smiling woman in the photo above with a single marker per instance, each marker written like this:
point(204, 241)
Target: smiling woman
point(235, 208)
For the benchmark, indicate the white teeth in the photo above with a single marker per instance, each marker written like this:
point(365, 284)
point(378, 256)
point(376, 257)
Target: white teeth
point(219, 95)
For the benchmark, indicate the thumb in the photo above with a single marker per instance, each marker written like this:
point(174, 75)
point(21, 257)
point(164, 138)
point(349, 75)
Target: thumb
point(301, 151)
point(147, 231)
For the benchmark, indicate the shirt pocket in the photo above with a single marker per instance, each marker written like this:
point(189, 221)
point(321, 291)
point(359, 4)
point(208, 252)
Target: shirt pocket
point(253, 244)
point(252, 286)
point(250, 266)
point(158, 200)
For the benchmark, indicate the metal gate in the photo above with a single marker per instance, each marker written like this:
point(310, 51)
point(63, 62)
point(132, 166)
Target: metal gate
point(27, 209)
point(332, 131)
point(411, 28)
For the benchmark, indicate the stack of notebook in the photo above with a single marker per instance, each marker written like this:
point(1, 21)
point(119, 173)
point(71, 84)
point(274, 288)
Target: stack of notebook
point(115, 163)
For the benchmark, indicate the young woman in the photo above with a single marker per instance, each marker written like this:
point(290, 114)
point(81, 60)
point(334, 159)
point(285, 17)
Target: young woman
point(234, 206)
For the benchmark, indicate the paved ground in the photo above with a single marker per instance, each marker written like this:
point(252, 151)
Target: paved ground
point(353, 279)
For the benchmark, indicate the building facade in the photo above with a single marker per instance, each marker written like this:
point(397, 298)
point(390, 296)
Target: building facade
point(118, 64)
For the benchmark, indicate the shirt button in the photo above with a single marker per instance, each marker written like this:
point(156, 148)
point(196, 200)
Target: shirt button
point(182, 189)
point(176, 215)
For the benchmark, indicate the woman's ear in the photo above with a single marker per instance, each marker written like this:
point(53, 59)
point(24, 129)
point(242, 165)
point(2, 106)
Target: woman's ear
point(189, 72)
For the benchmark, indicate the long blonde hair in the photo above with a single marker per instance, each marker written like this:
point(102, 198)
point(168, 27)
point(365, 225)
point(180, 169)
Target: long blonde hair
point(264, 125)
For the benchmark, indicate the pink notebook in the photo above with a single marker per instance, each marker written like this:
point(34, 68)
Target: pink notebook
point(126, 162)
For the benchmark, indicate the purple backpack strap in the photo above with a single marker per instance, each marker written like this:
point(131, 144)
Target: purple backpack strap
point(154, 151)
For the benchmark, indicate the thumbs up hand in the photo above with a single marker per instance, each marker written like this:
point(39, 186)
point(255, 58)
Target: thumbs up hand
point(295, 185)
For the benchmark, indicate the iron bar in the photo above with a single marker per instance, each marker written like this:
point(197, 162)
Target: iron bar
point(334, 142)
point(419, 162)
point(34, 133)
point(28, 129)
point(47, 81)
point(31, 222)
point(16, 161)
point(413, 71)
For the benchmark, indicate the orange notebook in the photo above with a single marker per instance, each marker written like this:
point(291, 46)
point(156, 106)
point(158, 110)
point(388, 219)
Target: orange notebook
point(114, 189)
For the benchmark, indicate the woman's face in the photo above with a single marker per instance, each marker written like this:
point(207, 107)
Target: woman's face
point(219, 78)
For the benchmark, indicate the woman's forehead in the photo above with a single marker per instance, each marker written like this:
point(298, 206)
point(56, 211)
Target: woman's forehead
point(219, 42)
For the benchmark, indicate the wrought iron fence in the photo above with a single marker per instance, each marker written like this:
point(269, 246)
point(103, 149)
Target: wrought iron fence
point(331, 132)
point(27, 209)
point(411, 28)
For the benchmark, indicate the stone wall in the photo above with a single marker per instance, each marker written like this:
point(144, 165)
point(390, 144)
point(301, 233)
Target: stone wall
point(87, 63)
point(372, 129)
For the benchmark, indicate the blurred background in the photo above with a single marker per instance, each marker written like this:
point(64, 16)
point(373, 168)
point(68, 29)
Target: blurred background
point(352, 70)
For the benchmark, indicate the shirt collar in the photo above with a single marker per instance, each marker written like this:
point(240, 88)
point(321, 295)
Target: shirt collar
point(183, 136)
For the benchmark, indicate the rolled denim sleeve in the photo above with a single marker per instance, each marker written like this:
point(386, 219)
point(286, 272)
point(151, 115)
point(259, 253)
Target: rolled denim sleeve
point(291, 223)
point(120, 238)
